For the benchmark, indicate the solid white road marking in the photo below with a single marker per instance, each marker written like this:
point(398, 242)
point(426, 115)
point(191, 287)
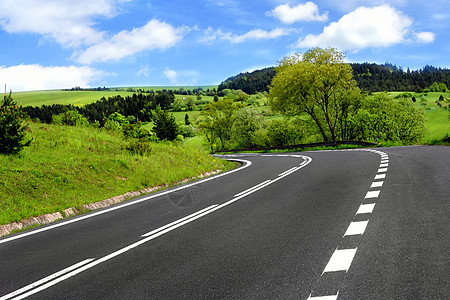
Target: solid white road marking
point(376, 184)
point(46, 279)
point(380, 176)
point(340, 260)
point(288, 171)
point(180, 220)
point(382, 170)
point(252, 188)
point(356, 228)
point(365, 208)
point(372, 194)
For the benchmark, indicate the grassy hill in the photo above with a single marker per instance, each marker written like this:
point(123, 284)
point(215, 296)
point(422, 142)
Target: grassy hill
point(71, 166)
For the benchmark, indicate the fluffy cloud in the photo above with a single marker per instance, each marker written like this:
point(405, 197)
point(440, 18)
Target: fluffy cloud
point(171, 75)
point(302, 12)
point(425, 37)
point(257, 34)
point(154, 35)
point(380, 26)
point(69, 23)
point(37, 77)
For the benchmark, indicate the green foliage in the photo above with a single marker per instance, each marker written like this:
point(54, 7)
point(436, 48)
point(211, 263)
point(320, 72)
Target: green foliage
point(245, 123)
point(186, 120)
point(438, 87)
point(217, 122)
point(12, 130)
point(70, 118)
point(380, 118)
point(319, 84)
point(187, 131)
point(283, 132)
point(165, 125)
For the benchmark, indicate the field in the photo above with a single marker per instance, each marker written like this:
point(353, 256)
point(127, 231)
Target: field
point(437, 114)
point(78, 98)
point(70, 166)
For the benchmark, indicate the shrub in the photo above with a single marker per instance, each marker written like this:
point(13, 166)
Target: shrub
point(70, 118)
point(12, 131)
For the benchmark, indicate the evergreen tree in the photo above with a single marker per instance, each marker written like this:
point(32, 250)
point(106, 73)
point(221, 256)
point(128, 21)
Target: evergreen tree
point(12, 131)
point(165, 125)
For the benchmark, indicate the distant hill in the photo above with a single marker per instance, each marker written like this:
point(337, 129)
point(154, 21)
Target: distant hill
point(369, 76)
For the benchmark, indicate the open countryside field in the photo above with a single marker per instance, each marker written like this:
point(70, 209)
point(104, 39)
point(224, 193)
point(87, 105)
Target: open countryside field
point(436, 112)
point(78, 98)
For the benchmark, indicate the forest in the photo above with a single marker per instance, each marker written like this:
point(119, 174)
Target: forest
point(370, 77)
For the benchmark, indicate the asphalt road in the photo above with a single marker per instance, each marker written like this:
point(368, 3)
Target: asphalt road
point(319, 225)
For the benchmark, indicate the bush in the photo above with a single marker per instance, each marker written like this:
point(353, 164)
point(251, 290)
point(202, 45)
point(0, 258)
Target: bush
point(12, 131)
point(70, 118)
point(139, 147)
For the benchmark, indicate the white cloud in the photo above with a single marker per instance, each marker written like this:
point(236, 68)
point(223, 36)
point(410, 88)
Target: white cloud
point(154, 35)
point(380, 26)
point(257, 34)
point(69, 23)
point(425, 37)
point(37, 77)
point(303, 12)
point(143, 71)
point(171, 75)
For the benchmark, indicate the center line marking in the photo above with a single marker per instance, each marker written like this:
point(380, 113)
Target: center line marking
point(376, 184)
point(340, 260)
point(356, 228)
point(372, 194)
point(332, 297)
point(380, 176)
point(252, 188)
point(365, 208)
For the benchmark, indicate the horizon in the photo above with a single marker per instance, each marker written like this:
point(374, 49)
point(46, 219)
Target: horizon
point(136, 43)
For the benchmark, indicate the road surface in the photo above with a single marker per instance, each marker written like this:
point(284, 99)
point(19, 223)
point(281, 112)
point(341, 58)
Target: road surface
point(364, 224)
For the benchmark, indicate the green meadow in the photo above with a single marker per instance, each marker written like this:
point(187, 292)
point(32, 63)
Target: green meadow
point(69, 166)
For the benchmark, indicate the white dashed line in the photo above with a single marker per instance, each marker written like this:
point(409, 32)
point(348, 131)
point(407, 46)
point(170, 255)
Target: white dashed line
point(332, 297)
point(365, 208)
point(356, 228)
point(340, 260)
point(376, 184)
point(372, 194)
point(380, 176)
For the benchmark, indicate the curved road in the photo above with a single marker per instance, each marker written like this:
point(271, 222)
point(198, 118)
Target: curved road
point(360, 224)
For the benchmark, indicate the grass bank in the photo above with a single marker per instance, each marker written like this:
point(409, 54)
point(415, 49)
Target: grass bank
point(71, 166)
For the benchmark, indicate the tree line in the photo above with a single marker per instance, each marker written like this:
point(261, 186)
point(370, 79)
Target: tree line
point(369, 77)
point(138, 106)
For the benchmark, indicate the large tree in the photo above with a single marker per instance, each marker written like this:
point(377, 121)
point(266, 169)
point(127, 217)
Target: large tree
point(319, 84)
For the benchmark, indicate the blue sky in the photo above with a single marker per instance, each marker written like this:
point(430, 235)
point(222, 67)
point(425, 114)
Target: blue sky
point(52, 44)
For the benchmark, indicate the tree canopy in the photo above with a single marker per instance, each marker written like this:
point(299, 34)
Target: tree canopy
point(319, 84)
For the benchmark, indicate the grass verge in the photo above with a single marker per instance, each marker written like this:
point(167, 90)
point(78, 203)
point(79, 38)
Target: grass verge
point(72, 166)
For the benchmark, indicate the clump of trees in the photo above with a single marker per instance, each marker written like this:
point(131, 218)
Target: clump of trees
point(320, 86)
point(228, 124)
point(13, 136)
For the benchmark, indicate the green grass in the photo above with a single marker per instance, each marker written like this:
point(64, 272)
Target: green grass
point(77, 98)
point(437, 115)
point(71, 166)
